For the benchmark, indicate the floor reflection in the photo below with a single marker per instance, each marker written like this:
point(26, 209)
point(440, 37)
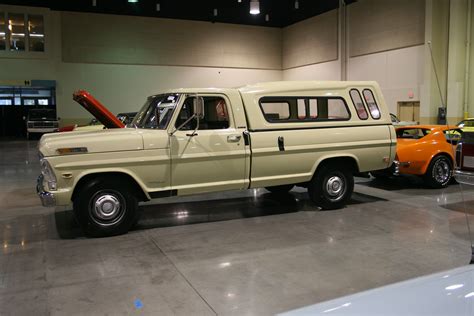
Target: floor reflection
point(211, 208)
point(401, 182)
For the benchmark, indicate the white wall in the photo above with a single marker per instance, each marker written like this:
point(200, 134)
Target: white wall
point(397, 71)
point(124, 88)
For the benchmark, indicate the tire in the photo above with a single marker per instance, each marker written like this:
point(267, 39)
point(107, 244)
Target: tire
point(331, 187)
point(279, 189)
point(92, 208)
point(439, 172)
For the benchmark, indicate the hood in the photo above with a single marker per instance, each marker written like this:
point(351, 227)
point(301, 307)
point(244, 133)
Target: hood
point(102, 141)
point(112, 140)
point(100, 112)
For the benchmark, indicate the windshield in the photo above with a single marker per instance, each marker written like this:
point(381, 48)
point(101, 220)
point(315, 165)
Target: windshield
point(466, 123)
point(42, 115)
point(157, 111)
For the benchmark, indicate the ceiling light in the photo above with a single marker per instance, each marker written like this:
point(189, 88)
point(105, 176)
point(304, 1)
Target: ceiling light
point(297, 5)
point(132, 1)
point(254, 7)
point(239, 1)
point(158, 7)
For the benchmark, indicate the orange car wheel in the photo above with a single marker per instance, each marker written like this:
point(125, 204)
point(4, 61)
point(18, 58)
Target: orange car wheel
point(439, 172)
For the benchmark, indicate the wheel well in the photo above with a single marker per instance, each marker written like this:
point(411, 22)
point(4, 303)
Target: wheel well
point(446, 155)
point(116, 176)
point(443, 154)
point(347, 162)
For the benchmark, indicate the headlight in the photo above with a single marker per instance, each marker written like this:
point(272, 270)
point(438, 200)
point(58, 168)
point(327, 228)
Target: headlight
point(48, 174)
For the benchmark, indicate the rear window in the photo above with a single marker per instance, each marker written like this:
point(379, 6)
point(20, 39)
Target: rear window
point(372, 104)
point(412, 133)
point(304, 109)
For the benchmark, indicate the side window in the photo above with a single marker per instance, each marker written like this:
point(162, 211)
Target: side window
point(275, 110)
point(216, 114)
point(303, 109)
point(313, 108)
point(371, 104)
point(359, 104)
point(337, 110)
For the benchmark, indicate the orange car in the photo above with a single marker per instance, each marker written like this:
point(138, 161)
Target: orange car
point(427, 151)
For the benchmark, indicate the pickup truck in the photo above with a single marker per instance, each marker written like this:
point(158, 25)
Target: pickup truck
point(188, 141)
point(464, 171)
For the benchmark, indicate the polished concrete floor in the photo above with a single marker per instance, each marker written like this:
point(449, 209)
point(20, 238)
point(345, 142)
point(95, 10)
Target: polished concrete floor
point(237, 253)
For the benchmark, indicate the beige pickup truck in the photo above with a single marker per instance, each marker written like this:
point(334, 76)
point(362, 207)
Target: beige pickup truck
point(186, 141)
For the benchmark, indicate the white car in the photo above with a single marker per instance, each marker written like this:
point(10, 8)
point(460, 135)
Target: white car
point(40, 121)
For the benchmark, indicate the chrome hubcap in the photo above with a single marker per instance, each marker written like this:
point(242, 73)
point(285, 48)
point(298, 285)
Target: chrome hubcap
point(335, 187)
point(107, 208)
point(441, 171)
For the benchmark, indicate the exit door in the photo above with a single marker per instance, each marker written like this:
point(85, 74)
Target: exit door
point(409, 111)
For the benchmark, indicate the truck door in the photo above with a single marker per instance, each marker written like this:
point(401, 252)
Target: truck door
point(208, 155)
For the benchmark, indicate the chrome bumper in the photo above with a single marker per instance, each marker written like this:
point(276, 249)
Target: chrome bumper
point(464, 177)
point(396, 168)
point(47, 198)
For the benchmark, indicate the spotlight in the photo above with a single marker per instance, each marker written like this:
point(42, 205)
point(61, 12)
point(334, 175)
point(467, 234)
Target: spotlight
point(254, 7)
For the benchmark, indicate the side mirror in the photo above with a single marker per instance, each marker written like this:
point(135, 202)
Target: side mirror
point(198, 107)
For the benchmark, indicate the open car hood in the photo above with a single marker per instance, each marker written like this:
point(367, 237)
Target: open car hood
point(100, 112)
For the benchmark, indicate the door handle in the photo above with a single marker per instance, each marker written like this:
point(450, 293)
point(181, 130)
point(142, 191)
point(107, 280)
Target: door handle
point(233, 138)
point(281, 143)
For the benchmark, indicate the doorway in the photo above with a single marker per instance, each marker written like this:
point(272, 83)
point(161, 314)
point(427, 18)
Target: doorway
point(15, 102)
point(409, 111)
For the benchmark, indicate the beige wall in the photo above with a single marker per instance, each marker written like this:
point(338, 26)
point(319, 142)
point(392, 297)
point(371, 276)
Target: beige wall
point(399, 73)
point(379, 25)
point(437, 32)
point(321, 71)
point(112, 39)
point(310, 41)
point(124, 87)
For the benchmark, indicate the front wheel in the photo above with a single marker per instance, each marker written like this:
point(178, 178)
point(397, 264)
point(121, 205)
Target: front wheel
point(331, 187)
point(106, 208)
point(439, 173)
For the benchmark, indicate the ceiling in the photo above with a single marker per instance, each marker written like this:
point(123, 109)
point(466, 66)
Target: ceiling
point(281, 12)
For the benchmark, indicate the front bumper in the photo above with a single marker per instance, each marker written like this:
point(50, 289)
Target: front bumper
point(42, 129)
point(47, 198)
point(465, 177)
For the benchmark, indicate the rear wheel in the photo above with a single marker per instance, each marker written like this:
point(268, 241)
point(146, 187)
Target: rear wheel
point(439, 173)
point(106, 208)
point(279, 189)
point(331, 187)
